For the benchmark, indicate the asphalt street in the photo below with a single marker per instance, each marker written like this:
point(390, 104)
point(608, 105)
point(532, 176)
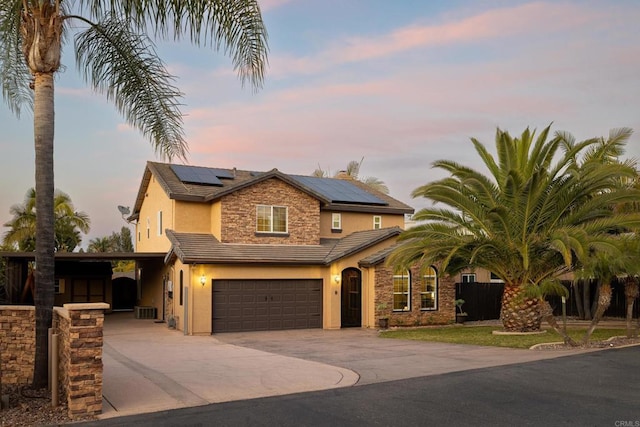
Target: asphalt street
point(592, 389)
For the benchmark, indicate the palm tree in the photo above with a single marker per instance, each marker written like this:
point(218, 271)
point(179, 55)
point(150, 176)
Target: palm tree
point(544, 209)
point(353, 171)
point(100, 244)
point(68, 225)
point(117, 59)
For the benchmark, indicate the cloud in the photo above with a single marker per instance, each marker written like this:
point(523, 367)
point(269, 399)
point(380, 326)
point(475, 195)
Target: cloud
point(268, 5)
point(496, 24)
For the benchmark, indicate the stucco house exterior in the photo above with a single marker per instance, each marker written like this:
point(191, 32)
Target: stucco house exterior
point(248, 251)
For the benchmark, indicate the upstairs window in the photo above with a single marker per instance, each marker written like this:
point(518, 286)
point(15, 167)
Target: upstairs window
point(336, 221)
point(429, 291)
point(159, 223)
point(271, 219)
point(468, 277)
point(377, 222)
point(401, 291)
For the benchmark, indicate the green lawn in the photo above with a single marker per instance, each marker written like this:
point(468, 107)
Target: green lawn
point(482, 335)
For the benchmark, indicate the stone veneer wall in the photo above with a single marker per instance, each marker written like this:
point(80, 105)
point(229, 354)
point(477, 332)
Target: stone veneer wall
point(80, 339)
point(80, 348)
point(17, 344)
point(444, 314)
point(239, 214)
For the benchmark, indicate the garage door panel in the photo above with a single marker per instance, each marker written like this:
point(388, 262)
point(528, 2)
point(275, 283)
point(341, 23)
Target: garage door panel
point(255, 305)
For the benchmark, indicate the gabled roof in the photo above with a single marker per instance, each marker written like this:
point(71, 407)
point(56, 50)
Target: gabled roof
point(333, 194)
point(378, 257)
point(199, 248)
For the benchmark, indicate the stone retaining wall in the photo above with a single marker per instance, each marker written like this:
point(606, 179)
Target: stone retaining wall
point(80, 339)
point(17, 344)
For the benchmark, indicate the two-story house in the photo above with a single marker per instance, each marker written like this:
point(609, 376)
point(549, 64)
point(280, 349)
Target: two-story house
point(249, 251)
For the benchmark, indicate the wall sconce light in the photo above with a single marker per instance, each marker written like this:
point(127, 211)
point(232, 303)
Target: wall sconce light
point(203, 280)
point(336, 279)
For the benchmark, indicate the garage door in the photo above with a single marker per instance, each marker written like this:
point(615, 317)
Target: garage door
point(266, 305)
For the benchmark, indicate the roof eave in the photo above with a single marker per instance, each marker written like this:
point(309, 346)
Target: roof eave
point(367, 208)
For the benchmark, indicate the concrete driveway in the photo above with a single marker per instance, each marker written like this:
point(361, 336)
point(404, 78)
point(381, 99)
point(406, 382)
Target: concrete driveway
point(148, 367)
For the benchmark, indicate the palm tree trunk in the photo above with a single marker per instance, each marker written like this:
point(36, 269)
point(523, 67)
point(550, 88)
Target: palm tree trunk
point(45, 263)
point(586, 300)
point(631, 292)
point(604, 300)
point(578, 296)
point(547, 314)
point(518, 313)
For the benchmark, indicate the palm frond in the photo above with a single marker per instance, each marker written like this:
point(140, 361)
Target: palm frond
point(125, 67)
point(15, 76)
point(234, 26)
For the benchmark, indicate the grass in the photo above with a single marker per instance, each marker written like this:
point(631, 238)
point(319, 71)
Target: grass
point(482, 335)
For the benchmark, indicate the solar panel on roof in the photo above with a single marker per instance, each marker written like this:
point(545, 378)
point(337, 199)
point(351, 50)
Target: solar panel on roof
point(339, 191)
point(200, 175)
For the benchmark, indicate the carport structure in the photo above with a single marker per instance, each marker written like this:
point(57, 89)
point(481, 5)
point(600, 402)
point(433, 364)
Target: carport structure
point(80, 277)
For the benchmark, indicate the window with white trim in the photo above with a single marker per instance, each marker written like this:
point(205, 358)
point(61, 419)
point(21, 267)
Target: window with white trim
point(336, 221)
point(159, 223)
point(496, 279)
point(271, 219)
point(402, 291)
point(429, 291)
point(377, 222)
point(148, 227)
point(468, 277)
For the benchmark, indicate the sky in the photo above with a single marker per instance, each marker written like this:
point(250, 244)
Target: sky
point(401, 84)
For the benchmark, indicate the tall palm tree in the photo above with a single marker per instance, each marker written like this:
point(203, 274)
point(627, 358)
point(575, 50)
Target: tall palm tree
point(117, 59)
point(353, 171)
point(544, 209)
point(68, 223)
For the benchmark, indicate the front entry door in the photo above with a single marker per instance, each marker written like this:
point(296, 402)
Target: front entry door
point(351, 298)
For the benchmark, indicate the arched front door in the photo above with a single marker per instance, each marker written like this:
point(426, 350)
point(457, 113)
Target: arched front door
point(351, 298)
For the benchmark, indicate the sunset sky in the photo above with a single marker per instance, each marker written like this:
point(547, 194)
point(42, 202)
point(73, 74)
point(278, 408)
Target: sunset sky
point(400, 83)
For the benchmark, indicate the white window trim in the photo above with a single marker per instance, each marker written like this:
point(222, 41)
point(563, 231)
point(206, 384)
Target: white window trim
point(377, 222)
point(336, 217)
point(496, 280)
point(475, 278)
point(406, 274)
point(435, 290)
point(286, 224)
point(148, 227)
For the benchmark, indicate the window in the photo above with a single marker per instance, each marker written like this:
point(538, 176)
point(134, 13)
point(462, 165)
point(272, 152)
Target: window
point(271, 219)
point(468, 277)
point(336, 221)
point(429, 291)
point(148, 227)
point(58, 286)
point(496, 279)
point(377, 222)
point(159, 223)
point(401, 292)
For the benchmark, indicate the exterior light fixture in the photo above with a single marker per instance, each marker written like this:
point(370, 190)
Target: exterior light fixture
point(203, 280)
point(336, 278)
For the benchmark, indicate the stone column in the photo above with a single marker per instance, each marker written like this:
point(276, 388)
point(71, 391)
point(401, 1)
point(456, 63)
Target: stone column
point(80, 348)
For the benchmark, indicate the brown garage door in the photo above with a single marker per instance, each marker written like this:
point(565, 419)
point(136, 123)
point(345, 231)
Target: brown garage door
point(266, 305)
